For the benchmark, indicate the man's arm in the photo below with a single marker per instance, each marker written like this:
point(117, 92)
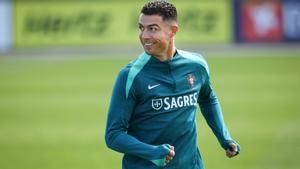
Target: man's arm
point(119, 114)
point(211, 110)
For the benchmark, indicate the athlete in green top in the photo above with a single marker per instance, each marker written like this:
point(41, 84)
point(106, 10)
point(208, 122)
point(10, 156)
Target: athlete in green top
point(153, 106)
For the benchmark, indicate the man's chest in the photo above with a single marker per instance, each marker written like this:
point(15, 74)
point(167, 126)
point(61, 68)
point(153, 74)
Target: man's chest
point(168, 90)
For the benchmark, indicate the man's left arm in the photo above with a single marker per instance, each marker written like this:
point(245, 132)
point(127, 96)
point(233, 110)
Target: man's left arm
point(211, 110)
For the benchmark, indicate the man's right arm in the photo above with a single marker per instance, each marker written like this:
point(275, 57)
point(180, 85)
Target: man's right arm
point(119, 114)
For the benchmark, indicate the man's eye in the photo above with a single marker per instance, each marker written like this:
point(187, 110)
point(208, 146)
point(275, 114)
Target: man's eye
point(141, 28)
point(153, 29)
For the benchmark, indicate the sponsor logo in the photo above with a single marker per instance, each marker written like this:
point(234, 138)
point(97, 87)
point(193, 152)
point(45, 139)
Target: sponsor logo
point(152, 87)
point(168, 103)
point(157, 104)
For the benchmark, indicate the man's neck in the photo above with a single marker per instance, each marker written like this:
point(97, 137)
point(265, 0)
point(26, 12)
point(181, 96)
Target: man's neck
point(168, 55)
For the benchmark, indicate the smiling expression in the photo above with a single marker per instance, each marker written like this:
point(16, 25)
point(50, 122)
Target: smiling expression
point(156, 35)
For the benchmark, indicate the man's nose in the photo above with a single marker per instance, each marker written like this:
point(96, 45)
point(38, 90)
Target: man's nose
point(145, 35)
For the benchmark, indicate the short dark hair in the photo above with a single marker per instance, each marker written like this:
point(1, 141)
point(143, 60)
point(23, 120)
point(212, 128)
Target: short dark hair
point(162, 8)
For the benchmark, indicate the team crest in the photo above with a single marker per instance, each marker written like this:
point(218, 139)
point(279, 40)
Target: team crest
point(157, 104)
point(191, 79)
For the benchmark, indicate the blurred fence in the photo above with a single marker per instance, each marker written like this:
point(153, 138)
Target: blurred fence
point(72, 23)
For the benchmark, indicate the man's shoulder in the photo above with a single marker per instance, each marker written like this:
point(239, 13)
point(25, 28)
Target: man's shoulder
point(133, 68)
point(194, 58)
point(136, 64)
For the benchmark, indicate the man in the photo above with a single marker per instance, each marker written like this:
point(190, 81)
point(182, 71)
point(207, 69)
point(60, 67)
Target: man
point(153, 106)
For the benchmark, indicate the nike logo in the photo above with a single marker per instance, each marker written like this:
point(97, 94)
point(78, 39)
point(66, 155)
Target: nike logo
point(154, 86)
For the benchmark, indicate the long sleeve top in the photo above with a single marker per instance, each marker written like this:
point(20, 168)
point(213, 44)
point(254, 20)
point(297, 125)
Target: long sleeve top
point(154, 104)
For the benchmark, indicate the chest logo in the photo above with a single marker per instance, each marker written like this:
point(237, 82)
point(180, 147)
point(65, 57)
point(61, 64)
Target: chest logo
point(157, 104)
point(153, 86)
point(174, 102)
point(191, 79)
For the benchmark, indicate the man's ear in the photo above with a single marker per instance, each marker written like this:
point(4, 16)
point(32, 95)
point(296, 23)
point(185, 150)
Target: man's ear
point(174, 30)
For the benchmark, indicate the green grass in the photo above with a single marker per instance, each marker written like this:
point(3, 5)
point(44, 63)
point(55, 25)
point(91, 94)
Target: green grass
point(53, 113)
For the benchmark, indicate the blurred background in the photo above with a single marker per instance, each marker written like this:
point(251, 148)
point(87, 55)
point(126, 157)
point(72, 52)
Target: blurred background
point(59, 59)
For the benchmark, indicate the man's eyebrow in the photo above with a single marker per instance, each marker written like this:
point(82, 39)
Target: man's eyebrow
point(149, 25)
point(152, 25)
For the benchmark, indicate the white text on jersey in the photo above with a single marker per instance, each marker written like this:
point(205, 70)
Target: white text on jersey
point(168, 103)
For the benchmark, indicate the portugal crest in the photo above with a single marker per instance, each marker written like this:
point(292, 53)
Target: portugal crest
point(191, 79)
point(157, 104)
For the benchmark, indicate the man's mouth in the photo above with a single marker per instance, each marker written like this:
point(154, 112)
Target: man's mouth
point(148, 44)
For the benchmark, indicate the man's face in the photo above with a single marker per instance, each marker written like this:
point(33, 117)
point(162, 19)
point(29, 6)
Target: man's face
point(155, 35)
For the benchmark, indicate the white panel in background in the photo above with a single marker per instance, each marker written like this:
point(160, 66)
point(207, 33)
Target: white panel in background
point(6, 28)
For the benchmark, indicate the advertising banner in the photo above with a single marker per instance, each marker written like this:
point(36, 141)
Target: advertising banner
point(75, 23)
point(205, 22)
point(54, 23)
point(291, 20)
point(259, 21)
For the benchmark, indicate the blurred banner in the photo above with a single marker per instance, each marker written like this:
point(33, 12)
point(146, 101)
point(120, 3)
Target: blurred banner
point(259, 21)
point(65, 23)
point(267, 20)
point(75, 23)
point(205, 21)
point(102, 22)
point(291, 19)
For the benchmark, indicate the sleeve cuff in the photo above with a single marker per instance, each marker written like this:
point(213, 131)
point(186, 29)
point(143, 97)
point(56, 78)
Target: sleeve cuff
point(159, 162)
point(165, 152)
